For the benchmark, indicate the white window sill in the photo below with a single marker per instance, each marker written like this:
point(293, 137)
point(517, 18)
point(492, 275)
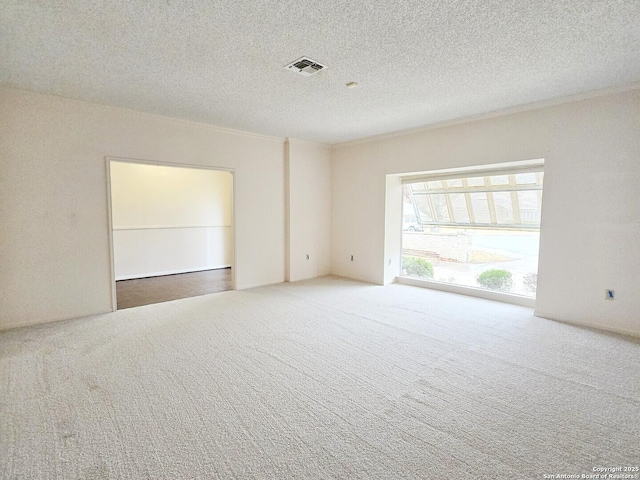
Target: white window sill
point(470, 291)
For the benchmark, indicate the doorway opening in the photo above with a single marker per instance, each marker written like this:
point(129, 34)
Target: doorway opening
point(171, 231)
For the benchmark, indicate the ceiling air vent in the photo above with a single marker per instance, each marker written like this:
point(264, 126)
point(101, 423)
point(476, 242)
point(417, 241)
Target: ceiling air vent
point(305, 66)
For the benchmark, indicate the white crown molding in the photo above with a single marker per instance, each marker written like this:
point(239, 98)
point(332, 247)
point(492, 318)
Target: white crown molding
point(147, 114)
point(494, 114)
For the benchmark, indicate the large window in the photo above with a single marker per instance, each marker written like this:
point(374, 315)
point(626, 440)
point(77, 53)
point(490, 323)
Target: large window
point(477, 229)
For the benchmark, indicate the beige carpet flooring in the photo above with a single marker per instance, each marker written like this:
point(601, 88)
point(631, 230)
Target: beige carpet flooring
point(320, 379)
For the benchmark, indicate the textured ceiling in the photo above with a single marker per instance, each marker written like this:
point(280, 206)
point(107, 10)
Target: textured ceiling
point(417, 62)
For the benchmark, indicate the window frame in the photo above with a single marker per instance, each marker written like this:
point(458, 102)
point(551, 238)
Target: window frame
point(488, 189)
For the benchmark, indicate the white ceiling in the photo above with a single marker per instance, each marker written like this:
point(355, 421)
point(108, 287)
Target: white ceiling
point(417, 62)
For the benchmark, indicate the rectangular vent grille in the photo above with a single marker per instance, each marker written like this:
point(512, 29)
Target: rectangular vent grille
point(305, 66)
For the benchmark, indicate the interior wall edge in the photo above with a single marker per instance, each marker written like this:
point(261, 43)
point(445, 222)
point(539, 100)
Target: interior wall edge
point(287, 213)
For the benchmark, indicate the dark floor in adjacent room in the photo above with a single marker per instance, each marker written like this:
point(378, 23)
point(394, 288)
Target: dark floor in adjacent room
point(145, 291)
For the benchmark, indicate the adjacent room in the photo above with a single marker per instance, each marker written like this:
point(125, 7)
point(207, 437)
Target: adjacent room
point(171, 231)
point(385, 241)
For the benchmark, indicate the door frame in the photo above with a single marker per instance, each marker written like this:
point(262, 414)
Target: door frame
point(109, 159)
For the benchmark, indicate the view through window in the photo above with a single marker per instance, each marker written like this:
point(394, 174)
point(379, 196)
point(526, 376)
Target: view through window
point(476, 231)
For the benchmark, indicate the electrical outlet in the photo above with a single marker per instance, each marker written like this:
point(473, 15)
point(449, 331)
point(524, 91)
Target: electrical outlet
point(352, 258)
point(307, 256)
point(610, 294)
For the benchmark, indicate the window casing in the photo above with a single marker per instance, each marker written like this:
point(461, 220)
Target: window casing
point(477, 228)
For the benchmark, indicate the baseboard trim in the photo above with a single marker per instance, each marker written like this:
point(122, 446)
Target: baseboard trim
point(170, 272)
point(618, 331)
point(46, 321)
point(355, 278)
point(260, 284)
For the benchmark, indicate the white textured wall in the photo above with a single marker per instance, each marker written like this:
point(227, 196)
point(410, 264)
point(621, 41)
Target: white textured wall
point(591, 213)
point(590, 237)
point(309, 207)
point(169, 219)
point(393, 231)
point(54, 239)
point(148, 252)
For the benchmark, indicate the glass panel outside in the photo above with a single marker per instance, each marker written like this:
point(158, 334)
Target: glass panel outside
point(525, 178)
point(454, 183)
point(480, 206)
point(508, 207)
point(504, 207)
point(499, 180)
point(529, 207)
point(496, 260)
point(440, 208)
point(424, 210)
point(459, 206)
point(475, 181)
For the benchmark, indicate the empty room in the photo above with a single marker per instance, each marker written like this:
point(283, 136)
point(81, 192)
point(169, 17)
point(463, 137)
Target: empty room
point(171, 231)
point(426, 215)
